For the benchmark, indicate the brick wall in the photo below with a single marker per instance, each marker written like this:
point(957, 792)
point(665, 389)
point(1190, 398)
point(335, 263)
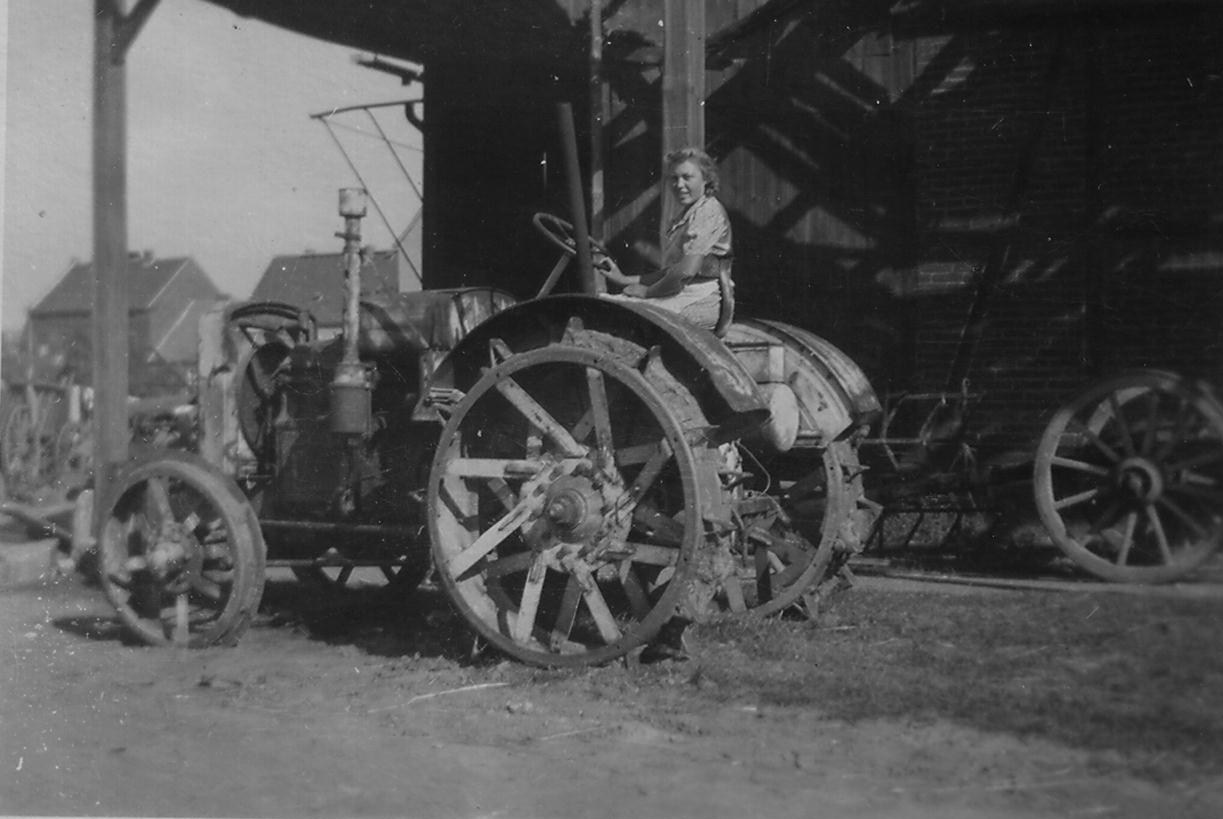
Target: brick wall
point(1077, 171)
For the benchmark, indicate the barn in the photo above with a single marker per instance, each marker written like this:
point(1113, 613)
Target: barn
point(1007, 197)
point(995, 198)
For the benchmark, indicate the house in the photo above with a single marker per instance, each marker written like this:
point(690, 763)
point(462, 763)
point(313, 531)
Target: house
point(315, 281)
point(166, 298)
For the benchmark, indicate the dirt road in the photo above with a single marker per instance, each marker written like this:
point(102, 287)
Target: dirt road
point(358, 705)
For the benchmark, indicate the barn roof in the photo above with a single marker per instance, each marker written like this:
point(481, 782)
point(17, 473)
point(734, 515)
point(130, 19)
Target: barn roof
point(147, 279)
point(543, 30)
point(315, 282)
point(420, 30)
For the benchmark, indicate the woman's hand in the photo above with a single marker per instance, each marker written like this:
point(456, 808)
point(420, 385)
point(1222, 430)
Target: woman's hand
point(611, 271)
point(637, 291)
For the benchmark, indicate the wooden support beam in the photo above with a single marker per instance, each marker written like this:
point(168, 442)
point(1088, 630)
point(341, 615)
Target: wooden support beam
point(114, 33)
point(683, 80)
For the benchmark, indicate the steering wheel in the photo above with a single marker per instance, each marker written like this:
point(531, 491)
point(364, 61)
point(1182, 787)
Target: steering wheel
point(560, 233)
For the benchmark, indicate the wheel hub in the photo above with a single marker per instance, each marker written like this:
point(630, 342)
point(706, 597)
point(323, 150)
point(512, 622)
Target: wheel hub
point(573, 508)
point(174, 558)
point(1140, 480)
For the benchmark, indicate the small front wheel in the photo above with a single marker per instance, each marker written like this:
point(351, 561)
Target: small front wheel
point(181, 556)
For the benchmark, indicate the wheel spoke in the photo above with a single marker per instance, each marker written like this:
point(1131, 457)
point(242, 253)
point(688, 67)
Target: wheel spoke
point(1107, 516)
point(508, 565)
point(1095, 440)
point(1179, 425)
point(604, 621)
point(600, 413)
point(528, 606)
point(1161, 537)
point(1211, 496)
point(1074, 500)
point(568, 610)
point(1127, 441)
point(645, 479)
point(1211, 456)
point(1148, 438)
point(501, 468)
point(1080, 466)
point(1179, 512)
point(491, 538)
point(1198, 479)
point(1127, 538)
point(534, 412)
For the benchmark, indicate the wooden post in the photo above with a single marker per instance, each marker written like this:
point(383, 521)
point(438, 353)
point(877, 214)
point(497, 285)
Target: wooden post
point(114, 33)
point(599, 105)
point(683, 82)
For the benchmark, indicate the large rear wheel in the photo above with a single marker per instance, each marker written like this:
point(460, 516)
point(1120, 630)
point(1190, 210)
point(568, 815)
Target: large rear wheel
point(566, 500)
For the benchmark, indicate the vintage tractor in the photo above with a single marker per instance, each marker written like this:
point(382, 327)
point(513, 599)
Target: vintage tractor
point(566, 465)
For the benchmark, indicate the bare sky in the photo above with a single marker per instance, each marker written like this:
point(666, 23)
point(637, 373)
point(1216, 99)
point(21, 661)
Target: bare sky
point(224, 163)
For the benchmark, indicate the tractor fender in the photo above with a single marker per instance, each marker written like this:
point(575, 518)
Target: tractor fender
point(833, 395)
point(724, 389)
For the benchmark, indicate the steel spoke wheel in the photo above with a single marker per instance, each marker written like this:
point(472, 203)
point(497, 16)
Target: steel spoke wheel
point(787, 546)
point(565, 504)
point(181, 556)
point(1129, 478)
point(25, 462)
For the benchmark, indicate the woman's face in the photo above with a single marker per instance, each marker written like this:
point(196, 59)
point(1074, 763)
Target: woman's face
point(688, 182)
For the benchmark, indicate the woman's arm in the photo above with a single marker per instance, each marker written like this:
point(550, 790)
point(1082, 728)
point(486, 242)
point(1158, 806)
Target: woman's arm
point(668, 281)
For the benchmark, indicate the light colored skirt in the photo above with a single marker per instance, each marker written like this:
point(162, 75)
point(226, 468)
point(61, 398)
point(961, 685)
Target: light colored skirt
point(699, 302)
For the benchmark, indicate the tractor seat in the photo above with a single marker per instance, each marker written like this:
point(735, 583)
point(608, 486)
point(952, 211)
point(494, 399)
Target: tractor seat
point(426, 319)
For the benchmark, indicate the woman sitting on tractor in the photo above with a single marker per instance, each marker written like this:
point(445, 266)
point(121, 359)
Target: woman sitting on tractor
point(697, 249)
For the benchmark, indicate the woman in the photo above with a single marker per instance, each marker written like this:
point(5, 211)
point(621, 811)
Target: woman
point(697, 247)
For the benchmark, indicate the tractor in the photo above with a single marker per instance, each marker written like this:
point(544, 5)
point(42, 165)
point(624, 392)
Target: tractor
point(562, 466)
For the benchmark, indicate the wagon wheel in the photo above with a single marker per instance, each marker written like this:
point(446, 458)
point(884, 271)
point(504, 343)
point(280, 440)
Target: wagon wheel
point(1129, 478)
point(180, 552)
point(565, 502)
point(788, 549)
point(22, 448)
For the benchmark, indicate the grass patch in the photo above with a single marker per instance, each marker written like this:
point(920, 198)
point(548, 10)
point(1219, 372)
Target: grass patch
point(1139, 676)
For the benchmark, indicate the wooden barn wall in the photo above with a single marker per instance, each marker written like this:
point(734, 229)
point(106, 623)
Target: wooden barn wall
point(1023, 204)
point(1017, 206)
point(1067, 179)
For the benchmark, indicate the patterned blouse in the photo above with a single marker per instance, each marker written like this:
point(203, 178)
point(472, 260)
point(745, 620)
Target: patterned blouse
point(701, 230)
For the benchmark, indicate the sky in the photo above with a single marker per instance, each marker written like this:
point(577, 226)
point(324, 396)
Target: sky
point(224, 163)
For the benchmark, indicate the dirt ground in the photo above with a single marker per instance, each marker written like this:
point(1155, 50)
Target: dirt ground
point(359, 705)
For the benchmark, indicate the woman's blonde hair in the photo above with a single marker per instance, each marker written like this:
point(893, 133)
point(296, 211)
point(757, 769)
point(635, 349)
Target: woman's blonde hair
point(703, 161)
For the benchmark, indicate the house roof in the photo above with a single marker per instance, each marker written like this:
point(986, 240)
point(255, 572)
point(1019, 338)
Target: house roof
point(315, 282)
point(147, 277)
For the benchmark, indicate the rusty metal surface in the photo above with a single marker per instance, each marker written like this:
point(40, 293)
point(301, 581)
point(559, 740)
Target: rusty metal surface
point(722, 380)
point(840, 368)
